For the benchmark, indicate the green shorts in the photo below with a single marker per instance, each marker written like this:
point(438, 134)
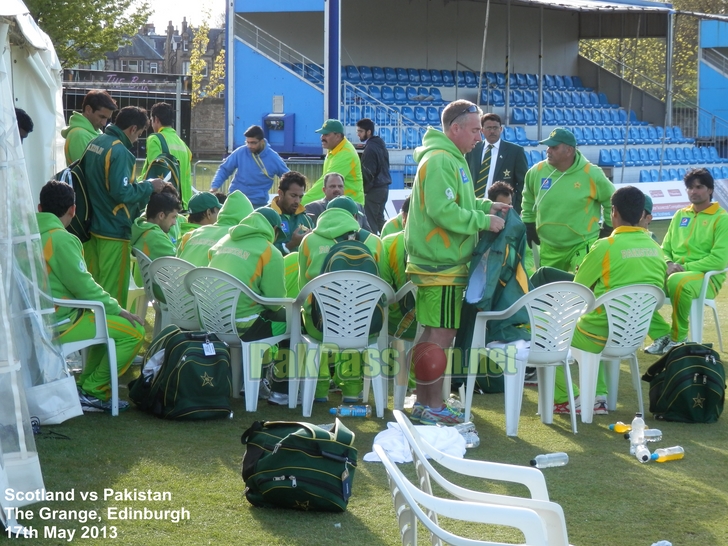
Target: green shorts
point(439, 306)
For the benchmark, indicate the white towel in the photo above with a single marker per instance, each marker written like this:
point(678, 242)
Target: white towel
point(446, 439)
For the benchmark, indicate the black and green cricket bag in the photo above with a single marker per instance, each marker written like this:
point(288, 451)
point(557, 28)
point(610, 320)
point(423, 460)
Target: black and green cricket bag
point(164, 165)
point(687, 384)
point(73, 176)
point(298, 465)
point(194, 381)
point(350, 253)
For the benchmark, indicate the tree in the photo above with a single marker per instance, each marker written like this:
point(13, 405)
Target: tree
point(198, 66)
point(83, 31)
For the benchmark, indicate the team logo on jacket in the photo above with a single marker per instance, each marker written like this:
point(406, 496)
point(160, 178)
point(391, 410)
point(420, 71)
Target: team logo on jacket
point(82, 266)
point(464, 176)
point(449, 194)
point(284, 226)
point(684, 222)
point(545, 183)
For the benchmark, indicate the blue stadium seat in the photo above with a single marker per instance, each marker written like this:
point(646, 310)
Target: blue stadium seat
point(651, 135)
point(605, 101)
point(344, 73)
point(490, 80)
point(633, 136)
point(448, 80)
point(616, 157)
point(378, 75)
point(723, 172)
point(421, 135)
point(559, 81)
point(531, 115)
point(673, 174)
point(679, 135)
point(579, 116)
point(354, 115)
point(664, 175)
point(460, 77)
point(599, 138)
point(385, 133)
point(402, 76)
point(705, 155)
point(433, 116)
point(532, 81)
point(521, 137)
point(470, 79)
point(622, 113)
point(421, 115)
point(548, 98)
point(548, 117)
point(535, 156)
point(500, 79)
point(692, 155)
point(660, 134)
point(529, 97)
point(618, 133)
point(608, 136)
point(299, 69)
point(369, 111)
point(559, 116)
point(714, 155)
point(588, 116)
point(577, 83)
point(653, 157)
point(670, 157)
point(387, 94)
point(436, 77)
point(424, 94)
point(382, 115)
point(645, 176)
point(715, 171)
point(585, 101)
point(390, 76)
point(682, 171)
point(436, 96)
point(521, 80)
point(549, 82)
point(410, 167)
point(517, 116)
point(654, 175)
point(589, 139)
point(644, 156)
point(516, 98)
point(348, 95)
point(615, 117)
point(376, 92)
point(568, 116)
point(558, 98)
point(352, 74)
point(412, 96)
point(594, 100)
point(669, 137)
point(680, 156)
point(509, 134)
point(567, 98)
point(633, 158)
point(365, 73)
point(413, 75)
point(412, 137)
point(644, 134)
point(497, 97)
point(579, 135)
point(568, 83)
point(400, 95)
point(576, 99)
point(606, 118)
point(408, 115)
point(425, 77)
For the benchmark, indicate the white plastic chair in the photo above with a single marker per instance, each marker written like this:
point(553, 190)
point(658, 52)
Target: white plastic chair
point(629, 312)
point(168, 273)
point(161, 310)
point(403, 347)
point(412, 505)
point(101, 338)
point(550, 512)
point(137, 295)
point(216, 294)
point(553, 310)
point(696, 311)
point(347, 300)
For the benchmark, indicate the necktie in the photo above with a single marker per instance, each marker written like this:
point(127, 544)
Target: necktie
point(482, 181)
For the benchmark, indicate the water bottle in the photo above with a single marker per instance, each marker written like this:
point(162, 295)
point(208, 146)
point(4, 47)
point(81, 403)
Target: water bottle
point(352, 411)
point(642, 453)
point(637, 434)
point(550, 459)
point(653, 435)
point(619, 427)
point(668, 454)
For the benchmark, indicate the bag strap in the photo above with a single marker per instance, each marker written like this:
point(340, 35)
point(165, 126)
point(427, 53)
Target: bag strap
point(316, 432)
point(342, 434)
point(163, 142)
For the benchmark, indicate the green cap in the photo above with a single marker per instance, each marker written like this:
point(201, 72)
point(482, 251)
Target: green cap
point(274, 219)
point(344, 202)
point(648, 204)
point(560, 136)
point(331, 126)
point(203, 201)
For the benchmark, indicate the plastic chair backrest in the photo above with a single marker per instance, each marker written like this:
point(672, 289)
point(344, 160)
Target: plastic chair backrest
point(144, 263)
point(535, 156)
point(352, 74)
point(420, 114)
point(378, 75)
point(414, 75)
point(169, 273)
point(365, 73)
point(390, 76)
point(425, 77)
point(644, 158)
point(448, 80)
point(376, 92)
point(435, 76)
point(509, 134)
point(645, 176)
point(402, 76)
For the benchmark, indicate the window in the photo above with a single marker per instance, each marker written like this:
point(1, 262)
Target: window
point(153, 68)
point(132, 66)
point(204, 69)
point(185, 45)
point(186, 67)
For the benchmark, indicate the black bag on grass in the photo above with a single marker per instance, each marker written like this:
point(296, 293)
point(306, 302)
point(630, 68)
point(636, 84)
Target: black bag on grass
point(687, 384)
point(194, 381)
point(298, 465)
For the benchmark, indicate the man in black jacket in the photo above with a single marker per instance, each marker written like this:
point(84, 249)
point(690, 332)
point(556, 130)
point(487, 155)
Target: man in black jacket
point(375, 171)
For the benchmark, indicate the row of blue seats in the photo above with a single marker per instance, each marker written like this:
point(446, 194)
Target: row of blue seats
point(644, 134)
point(653, 175)
point(528, 97)
point(637, 157)
point(461, 78)
point(393, 95)
point(574, 116)
point(381, 115)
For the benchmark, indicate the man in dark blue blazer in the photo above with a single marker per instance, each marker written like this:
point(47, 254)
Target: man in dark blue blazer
point(494, 159)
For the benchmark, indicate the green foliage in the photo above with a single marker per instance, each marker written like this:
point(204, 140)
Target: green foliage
point(85, 30)
point(215, 75)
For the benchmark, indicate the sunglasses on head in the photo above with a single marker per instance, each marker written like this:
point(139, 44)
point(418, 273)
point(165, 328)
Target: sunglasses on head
point(472, 109)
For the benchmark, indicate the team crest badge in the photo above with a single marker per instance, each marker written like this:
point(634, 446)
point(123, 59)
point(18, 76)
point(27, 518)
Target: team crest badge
point(684, 222)
point(545, 183)
point(464, 176)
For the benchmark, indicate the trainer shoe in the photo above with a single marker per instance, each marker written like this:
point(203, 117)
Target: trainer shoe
point(443, 416)
point(416, 413)
point(531, 376)
point(353, 399)
point(600, 406)
point(278, 399)
point(670, 345)
point(91, 404)
point(564, 407)
point(658, 346)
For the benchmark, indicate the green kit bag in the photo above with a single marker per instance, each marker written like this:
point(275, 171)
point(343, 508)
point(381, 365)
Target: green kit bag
point(298, 465)
point(164, 166)
point(687, 384)
point(194, 381)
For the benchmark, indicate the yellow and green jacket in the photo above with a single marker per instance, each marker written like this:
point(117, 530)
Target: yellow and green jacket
point(150, 239)
point(343, 160)
point(116, 199)
point(290, 223)
point(67, 274)
point(393, 225)
point(444, 215)
point(699, 241)
point(178, 149)
point(392, 271)
point(78, 134)
point(248, 254)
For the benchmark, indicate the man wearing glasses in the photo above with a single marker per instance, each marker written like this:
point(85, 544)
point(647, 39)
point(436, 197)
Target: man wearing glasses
point(495, 159)
point(440, 236)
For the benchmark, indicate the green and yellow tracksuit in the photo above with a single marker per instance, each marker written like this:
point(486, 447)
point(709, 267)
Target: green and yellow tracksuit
point(78, 134)
point(178, 149)
point(154, 243)
point(332, 224)
point(289, 224)
point(628, 256)
point(344, 160)
point(185, 230)
point(69, 279)
point(698, 242)
point(392, 270)
point(393, 225)
point(116, 201)
point(195, 247)
point(566, 208)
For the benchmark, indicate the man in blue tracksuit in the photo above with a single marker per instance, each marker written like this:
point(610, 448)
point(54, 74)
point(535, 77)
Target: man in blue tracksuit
point(257, 166)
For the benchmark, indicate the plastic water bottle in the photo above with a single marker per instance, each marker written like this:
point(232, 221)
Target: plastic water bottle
point(653, 435)
point(642, 453)
point(668, 454)
point(637, 434)
point(550, 459)
point(619, 427)
point(352, 411)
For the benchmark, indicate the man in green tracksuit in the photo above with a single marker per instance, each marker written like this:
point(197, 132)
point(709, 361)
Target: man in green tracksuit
point(203, 209)
point(162, 115)
point(564, 198)
point(69, 279)
point(440, 236)
point(341, 158)
point(86, 125)
point(196, 247)
point(696, 242)
point(149, 232)
point(116, 200)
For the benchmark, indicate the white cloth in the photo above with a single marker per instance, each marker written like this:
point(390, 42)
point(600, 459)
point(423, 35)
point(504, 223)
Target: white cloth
point(446, 439)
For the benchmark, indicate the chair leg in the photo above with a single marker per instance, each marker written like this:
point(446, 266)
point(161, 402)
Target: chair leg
point(711, 304)
point(636, 382)
point(310, 377)
point(236, 360)
point(570, 390)
point(401, 379)
point(611, 372)
point(695, 327)
point(588, 372)
point(252, 369)
point(111, 348)
point(546, 378)
point(297, 360)
point(513, 386)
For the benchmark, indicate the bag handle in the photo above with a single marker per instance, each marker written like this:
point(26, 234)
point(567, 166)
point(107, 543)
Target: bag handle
point(163, 142)
point(342, 434)
point(316, 432)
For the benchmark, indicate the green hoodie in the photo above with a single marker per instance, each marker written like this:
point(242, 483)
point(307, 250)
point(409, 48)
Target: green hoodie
point(195, 248)
point(78, 134)
point(444, 216)
point(566, 207)
point(150, 239)
point(66, 268)
point(249, 255)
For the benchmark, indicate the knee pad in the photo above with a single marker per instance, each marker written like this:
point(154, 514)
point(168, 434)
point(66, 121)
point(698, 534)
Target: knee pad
point(429, 361)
